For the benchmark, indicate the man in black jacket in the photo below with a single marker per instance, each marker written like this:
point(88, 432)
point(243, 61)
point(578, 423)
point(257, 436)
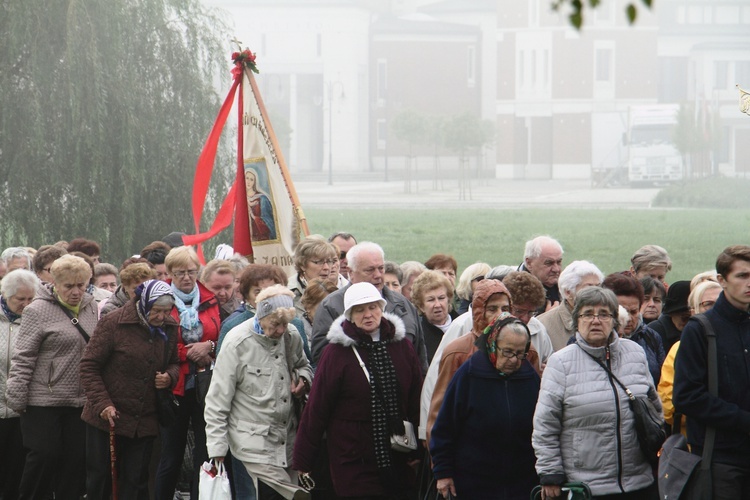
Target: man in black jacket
point(730, 411)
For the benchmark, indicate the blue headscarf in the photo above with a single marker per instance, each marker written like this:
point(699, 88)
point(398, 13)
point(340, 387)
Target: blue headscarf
point(146, 294)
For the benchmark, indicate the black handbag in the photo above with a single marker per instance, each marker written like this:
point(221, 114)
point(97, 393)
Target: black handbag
point(167, 405)
point(202, 383)
point(649, 422)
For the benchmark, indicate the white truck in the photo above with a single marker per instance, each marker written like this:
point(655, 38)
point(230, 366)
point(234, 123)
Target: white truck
point(652, 155)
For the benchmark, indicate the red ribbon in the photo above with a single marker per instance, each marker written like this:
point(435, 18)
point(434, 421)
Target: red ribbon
point(203, 171)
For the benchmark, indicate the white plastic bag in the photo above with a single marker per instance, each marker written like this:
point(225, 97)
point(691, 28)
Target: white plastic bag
point(214, 482)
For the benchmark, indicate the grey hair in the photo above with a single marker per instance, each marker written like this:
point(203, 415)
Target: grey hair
point(463, 287)
point(164, 300)
point(15, 280)
point(499, 272)
point(649, 257)
point(534, 247)
point(574, 273)
point(518, 328)
point(393, 268)
point(352, 255)
point(597, 296)
point(11, 253)
point(409, 269)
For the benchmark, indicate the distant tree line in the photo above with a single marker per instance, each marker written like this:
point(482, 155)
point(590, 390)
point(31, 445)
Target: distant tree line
point(104, 108)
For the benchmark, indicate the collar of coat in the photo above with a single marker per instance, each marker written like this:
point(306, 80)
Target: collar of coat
point(336, 334)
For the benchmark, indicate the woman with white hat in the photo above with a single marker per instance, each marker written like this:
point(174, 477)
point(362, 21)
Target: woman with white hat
point(367, 384)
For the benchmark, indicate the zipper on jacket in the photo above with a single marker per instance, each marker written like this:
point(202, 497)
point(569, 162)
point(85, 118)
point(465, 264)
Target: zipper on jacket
point(617, 413)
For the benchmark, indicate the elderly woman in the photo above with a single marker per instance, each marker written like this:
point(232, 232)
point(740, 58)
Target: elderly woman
point(651, 260)
point(486, 418)
point(445, 264)
point(317, 290)
point(392, 276)
point(250, 405)
point(218, 276)
point(654, 294)
point(410, 270)
point(197, 313)
point(433, 295)
point(314, 257)
point(133, 344)
point(584, 429)
point(18, 288)
point(629, 294)
point(43, 384)
point(131, 275)
point(366, 384)
point(701, 299)
point(105, 277)
point(575, 277)
point(468, 281)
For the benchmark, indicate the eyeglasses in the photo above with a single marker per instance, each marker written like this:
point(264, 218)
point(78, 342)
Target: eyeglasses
point(323, 262)
point(517, 312)
point(342, 256)
point(507, 353)
point(591, 316)
point(46, 269)
point(478, 279)
point(181, 274)
point(707, 304)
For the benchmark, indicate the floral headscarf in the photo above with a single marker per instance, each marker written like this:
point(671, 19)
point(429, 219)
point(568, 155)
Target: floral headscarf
point(146, 294)
point(489, 335)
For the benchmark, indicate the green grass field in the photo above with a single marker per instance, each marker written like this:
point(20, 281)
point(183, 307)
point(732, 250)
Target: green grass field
point(608, 238)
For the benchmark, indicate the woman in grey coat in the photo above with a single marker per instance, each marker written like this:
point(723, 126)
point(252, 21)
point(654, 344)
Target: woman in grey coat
point(584, 429)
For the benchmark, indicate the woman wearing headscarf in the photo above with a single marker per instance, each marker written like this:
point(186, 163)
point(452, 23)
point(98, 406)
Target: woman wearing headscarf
point(359, 405)
point(486, 418)
point(131, 354)
point(18, 289)
point(584, 427)
point(197, 313)
point(43, 384)
point(250, 404)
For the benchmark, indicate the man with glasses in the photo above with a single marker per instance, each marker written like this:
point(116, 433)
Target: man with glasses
point(367, 264)
point(542, 257)
point(344, 242)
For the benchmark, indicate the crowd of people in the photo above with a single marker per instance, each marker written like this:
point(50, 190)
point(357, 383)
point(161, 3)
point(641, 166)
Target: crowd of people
point(360, 378)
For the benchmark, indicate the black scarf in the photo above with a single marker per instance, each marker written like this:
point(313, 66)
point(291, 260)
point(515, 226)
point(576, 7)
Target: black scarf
point(386, 419)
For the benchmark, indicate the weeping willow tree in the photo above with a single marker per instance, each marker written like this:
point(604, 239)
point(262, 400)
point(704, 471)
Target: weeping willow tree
point(104, 108)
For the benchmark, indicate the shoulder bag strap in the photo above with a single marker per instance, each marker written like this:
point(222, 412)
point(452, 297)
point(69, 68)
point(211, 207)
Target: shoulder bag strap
point(627, 391)
point(74, 321)
point(713, 387)
point(362, 364)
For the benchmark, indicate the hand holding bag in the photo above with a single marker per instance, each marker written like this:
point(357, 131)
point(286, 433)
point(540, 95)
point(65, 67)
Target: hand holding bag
point(167, 405)
point(214, 482)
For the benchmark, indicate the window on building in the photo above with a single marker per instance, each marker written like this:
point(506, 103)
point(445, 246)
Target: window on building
point(381, 132)
point(521, 68)
point(721, 79)
point(742, 73)
point(471, 66)
point(382, 76)
point(603, 65)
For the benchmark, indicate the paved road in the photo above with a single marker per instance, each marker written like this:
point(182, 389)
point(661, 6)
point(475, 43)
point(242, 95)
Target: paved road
point(487, 193)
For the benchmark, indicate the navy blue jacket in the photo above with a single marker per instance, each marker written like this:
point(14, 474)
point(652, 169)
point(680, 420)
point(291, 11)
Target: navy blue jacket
point(482, 435)
point(652, 345)
point(730, 412)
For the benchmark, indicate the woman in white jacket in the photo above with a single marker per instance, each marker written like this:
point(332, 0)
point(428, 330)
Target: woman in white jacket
point(584, 429)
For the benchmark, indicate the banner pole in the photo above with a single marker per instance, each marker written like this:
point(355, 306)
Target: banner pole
point(279, 156)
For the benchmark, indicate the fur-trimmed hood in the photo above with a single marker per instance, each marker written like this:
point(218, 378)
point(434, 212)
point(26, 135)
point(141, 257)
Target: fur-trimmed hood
point(336, 334)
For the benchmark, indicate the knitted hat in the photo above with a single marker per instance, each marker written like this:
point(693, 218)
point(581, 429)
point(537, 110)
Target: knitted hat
point(361, 293)
point(677, 297)
point(270, 304)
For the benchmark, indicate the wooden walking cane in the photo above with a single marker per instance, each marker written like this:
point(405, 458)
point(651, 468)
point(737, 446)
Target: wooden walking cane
point(113, 460)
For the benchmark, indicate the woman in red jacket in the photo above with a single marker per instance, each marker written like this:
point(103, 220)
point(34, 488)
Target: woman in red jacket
point(197, 312)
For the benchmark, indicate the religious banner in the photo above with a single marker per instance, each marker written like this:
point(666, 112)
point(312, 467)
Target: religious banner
point(268, 219)
point(744, 100)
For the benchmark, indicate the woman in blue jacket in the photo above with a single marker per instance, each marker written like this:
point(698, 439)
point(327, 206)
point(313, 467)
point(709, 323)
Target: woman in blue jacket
point(481, 442)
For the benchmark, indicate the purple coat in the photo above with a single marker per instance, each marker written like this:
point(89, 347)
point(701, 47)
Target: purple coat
point(339, 406)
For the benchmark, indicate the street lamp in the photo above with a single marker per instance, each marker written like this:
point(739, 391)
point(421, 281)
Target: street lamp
point(330, 86)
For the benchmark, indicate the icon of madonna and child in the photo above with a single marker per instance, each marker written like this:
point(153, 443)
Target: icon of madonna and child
point(259, 201)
